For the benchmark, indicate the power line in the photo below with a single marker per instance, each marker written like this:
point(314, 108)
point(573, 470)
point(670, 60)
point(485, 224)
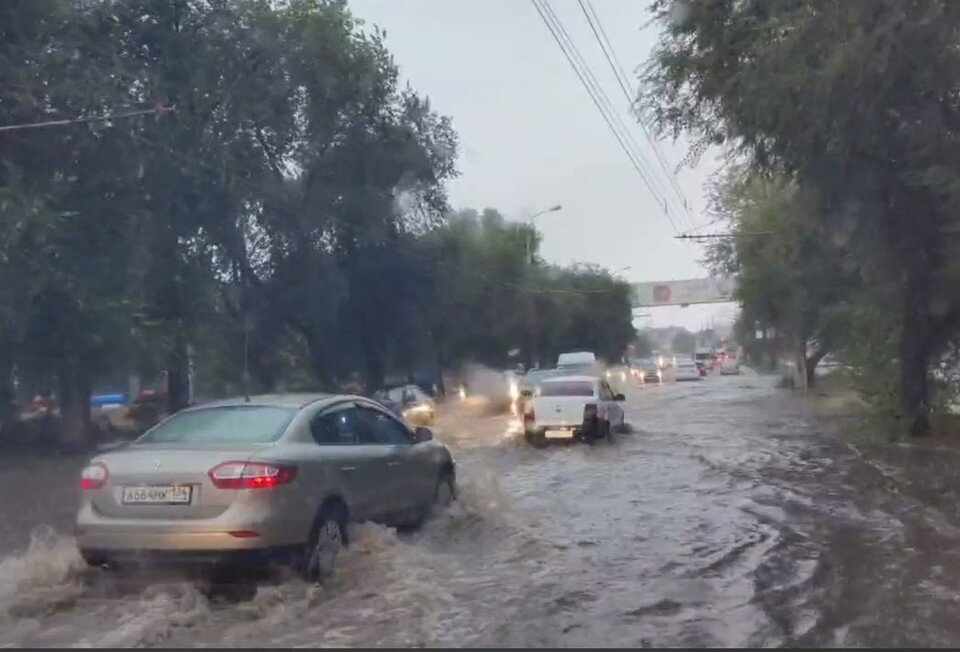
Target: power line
point(596, 26)
point(93, 118)
point(597, 92)
point(622, 78)
point(611, 111)
point(580, 75)
point(709, 236)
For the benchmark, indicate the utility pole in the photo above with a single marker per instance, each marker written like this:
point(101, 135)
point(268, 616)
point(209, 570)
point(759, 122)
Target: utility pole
point(531, 308)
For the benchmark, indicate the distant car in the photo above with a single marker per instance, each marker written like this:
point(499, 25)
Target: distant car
point(114, 414)
point(687, 369)
point(730, 366)
point(572, 407)
point(382, 397)
point(272, 478)
point(704, 360)
point(618, 376)
point(652, 371)
point(413, 404)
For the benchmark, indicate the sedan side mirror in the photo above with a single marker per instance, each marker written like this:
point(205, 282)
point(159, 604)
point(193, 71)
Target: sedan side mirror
point(421, 434)
point(619, 397)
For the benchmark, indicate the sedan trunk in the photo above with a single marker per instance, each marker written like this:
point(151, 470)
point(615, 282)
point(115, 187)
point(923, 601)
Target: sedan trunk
point(149, 481)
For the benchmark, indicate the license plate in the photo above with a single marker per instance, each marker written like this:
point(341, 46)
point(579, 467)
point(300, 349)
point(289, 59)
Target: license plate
point(559, 434)
point(158, 495)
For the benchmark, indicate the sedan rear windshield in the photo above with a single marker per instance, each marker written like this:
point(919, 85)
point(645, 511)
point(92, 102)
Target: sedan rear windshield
point(252, 424)
point(567, 388)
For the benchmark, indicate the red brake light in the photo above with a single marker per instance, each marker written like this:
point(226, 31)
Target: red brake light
point(94, 476)
point(244, 534)
point(529, 414)
point(251, 475)
point(590, 410)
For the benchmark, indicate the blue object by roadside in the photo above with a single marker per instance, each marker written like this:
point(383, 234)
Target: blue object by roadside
point(99, 400)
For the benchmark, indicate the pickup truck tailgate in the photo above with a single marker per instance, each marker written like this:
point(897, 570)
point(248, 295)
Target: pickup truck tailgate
point(559, 410)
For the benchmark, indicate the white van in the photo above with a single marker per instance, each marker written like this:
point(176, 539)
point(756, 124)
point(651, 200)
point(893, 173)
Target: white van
point(576, 358)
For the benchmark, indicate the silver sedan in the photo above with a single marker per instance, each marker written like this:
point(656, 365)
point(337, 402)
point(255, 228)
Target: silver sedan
point(273, 478)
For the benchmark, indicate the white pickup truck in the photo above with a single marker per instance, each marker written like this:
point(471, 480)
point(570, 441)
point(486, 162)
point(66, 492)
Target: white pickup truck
point(572, 407)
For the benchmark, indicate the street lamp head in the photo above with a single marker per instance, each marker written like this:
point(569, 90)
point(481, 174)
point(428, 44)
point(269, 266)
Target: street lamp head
point(554, 208)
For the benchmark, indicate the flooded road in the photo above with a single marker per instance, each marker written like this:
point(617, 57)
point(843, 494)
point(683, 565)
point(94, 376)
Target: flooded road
point(727, 517)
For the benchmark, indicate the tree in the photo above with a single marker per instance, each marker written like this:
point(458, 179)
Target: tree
point(684, 342)
point(483, 285)
point(789, 275)
point(855, 99)
point(70, 266)
point(291, 161)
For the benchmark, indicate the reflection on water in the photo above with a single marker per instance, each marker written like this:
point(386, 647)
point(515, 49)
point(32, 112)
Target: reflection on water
point(724, 518)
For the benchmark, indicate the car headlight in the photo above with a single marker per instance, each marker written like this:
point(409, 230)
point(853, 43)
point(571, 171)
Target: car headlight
point(514, 391)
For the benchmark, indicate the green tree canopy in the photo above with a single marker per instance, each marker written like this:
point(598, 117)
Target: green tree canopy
point(854, 99)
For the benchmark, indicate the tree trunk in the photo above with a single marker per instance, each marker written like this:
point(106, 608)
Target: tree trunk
point(373, 371)
point(811, 365)
point(7, 393)
point(441, 383)
point(318, 357)
point(178, 377)
point(914, 351)
point(76, 429)
point(438, 360)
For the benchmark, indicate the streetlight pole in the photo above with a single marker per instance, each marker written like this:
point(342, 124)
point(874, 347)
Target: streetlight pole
point(533, 229)
point(531, 312)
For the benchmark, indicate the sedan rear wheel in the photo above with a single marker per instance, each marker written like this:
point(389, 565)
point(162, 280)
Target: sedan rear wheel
point(445, 492)
point(320, 556)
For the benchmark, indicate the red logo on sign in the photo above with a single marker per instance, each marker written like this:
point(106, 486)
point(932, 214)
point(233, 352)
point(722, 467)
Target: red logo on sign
point(661, 293)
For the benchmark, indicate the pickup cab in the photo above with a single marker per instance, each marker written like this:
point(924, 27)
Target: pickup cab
point(572, 407)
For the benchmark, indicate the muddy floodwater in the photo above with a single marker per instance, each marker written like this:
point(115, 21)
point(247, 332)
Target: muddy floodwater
point(727, 517)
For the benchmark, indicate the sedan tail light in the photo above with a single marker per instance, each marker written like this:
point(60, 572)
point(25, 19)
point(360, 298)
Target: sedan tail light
point(589, 411)
point(251, 475)
point(94, 476)
point(529, 416)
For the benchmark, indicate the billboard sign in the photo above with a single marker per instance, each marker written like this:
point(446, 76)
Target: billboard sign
point(684, 292)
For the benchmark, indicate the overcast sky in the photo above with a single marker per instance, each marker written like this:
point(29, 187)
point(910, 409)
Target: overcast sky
point(531, 137)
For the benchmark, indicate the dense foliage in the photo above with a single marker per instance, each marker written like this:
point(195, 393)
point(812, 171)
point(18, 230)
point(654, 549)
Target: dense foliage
point(856, 102)
point(791, 277)
point(285, 197)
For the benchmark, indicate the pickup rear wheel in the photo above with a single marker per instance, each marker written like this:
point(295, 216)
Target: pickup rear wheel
point(604, 430)
point(536, 438)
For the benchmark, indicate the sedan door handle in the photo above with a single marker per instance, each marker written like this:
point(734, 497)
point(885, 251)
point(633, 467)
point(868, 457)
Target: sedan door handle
point(348, 468)
point(393, 463)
